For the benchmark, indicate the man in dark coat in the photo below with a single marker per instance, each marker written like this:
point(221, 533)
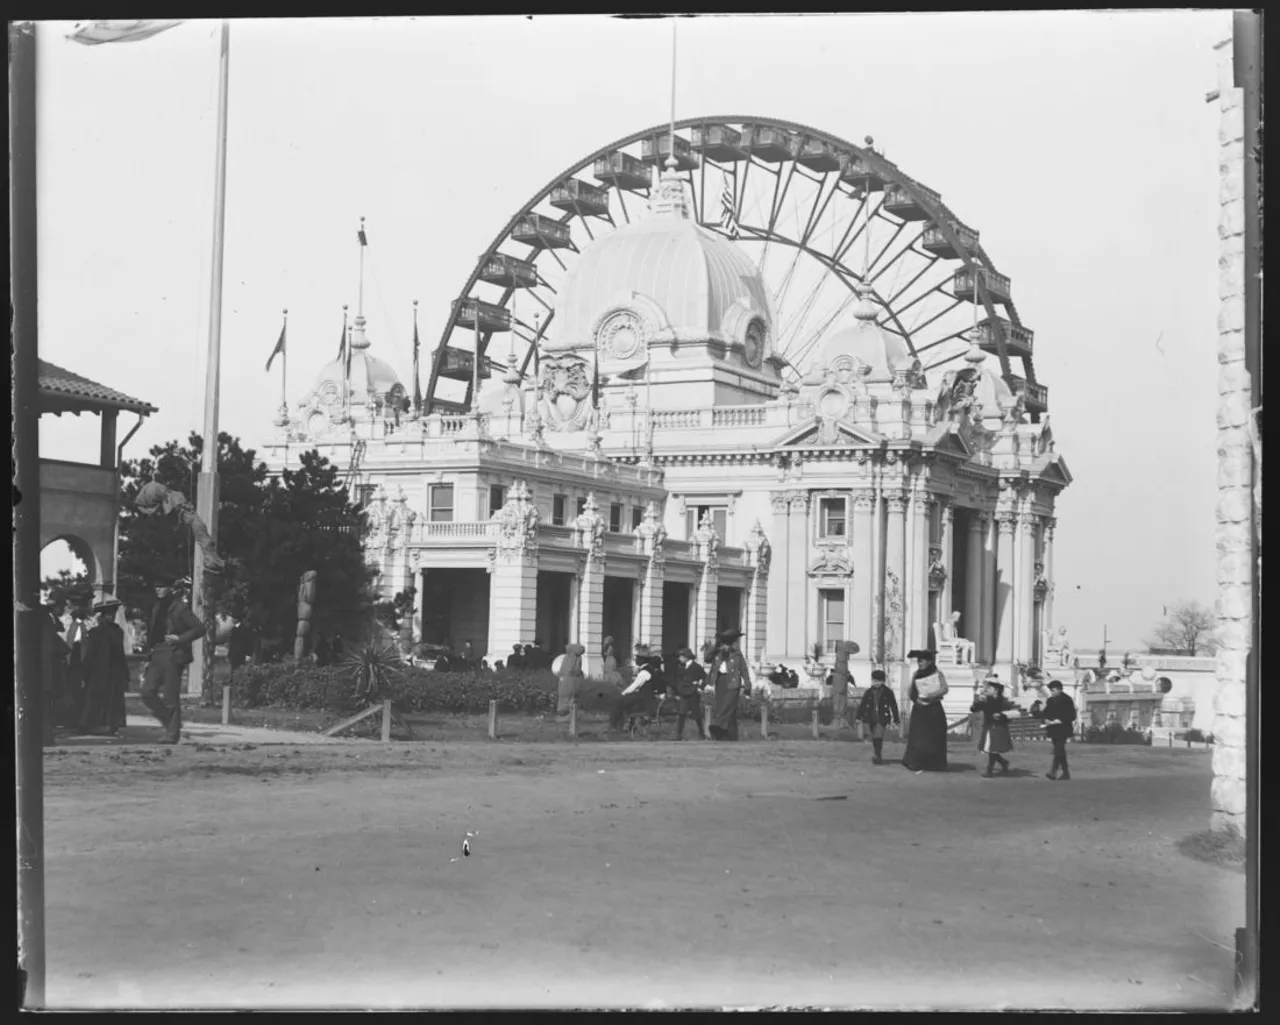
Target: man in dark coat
point(106, 674)
point(1059, 720)
point(639, 693)
point(517, 659)
point(690, 679)
point(730, 678)
point(53, 670)
point(535, 657)
point(170, 632)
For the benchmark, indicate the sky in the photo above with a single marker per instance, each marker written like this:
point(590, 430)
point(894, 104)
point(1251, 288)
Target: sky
point(1080, 144)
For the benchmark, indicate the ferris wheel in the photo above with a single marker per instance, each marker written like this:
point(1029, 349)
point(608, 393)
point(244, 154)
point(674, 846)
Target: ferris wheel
point(817, 214)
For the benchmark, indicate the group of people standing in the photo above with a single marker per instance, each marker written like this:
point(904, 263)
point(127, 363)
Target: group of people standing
point(86, 671)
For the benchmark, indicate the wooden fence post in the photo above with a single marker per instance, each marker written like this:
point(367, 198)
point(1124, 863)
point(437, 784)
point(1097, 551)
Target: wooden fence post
point(386, 720)
point(861, 730)
point(815, 724)
point(764, 720)
point(493, 720)
point(573, 718)
point(706, 719)
point(226, 704)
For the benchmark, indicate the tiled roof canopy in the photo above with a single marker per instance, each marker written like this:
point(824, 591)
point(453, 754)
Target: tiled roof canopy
point(61, 391)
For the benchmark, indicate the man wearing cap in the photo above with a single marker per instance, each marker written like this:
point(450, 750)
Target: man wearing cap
point(730, 678)
point(170, 632)
point(690, 679)
point(878, 708)
point(1059, 717)
point(639, 692)
point(106, 673)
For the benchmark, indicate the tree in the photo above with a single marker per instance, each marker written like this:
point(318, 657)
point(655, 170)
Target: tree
point(1187, 629)
point(270, 529)
point(67, 588)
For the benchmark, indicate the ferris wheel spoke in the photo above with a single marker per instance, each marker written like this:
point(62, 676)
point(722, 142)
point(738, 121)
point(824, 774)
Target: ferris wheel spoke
point(893, 299)
point(943, 341)
point(693, 197)
point(937, 316)
point(871, 264)
point(775, 205)
point(812, 342)
point(815, 215)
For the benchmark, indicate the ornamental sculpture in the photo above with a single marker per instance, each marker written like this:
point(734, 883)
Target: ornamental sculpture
point(653, 532)
point(517, 523)
point(708, 540)
point(564, 390)
point(590, 526)
point(758, 544)
point(937, 571)
point(833, 562)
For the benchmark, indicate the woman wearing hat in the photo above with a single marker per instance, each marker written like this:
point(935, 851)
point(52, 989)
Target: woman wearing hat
point(994, 740)
point(106, 673)
point(570, 677)
point(878, 708)
point(729, 677)
point(927, 727)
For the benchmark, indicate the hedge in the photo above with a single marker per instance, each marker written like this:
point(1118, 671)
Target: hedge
point(1114, 733)
point(411, 689)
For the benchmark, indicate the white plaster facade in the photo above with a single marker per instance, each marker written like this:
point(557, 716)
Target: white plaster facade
point(858, 500)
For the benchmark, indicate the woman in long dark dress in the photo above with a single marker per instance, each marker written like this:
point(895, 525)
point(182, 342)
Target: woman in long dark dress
point(927, 728)
point(730, 678)
point(106, 674)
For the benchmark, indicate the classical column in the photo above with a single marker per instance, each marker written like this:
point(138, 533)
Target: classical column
point(513, 596)
point(1006, 588)
point(652, 535)
point(798, 639)
point(972, 620)
point(1025, 591)
point(863, 596)
point(776, 639)
point(946, 535)
point(706, 594)
point(917, 634)
point(759, 551)
point(894, 573)
point(1049, 526)
point(590, 530)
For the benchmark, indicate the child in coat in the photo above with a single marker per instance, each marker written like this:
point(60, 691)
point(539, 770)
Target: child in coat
point(994, 741)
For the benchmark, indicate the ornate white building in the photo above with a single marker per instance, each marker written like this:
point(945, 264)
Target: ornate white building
point(859, 500)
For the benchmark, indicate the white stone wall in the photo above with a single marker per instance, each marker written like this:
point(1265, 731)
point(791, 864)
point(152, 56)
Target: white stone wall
point(1235, 457)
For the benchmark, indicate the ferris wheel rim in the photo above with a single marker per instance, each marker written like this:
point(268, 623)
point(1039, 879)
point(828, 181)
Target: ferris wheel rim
point(939, 215)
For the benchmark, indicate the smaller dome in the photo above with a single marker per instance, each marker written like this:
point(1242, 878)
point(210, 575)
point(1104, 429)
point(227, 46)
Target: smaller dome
point(992, 391)
point(865, 340)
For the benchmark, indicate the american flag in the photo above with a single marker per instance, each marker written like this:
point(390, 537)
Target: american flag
point(728, 217)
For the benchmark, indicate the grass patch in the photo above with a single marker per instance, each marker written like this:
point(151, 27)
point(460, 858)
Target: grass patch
point(1222, 847)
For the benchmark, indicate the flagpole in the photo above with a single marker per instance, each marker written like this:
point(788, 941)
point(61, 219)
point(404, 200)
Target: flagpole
point(475, 363)
point(207, 491)
point(417, 388)
point(284, 373)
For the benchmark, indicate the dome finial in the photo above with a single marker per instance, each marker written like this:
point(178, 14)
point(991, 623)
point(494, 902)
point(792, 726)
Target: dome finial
point(866, 309)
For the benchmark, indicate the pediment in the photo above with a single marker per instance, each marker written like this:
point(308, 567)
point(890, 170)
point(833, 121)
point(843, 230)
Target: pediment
point(1055, 471)
point(948, 438)
point(823, 431)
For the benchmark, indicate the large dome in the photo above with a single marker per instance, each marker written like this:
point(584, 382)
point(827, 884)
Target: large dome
point(370, 376)
point(703, 285)
point(866, 341)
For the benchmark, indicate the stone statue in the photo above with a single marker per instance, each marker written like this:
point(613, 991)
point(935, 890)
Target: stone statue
point(949, 629)
point(155, 498)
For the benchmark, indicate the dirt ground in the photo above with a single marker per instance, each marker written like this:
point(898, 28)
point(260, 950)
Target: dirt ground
point(645, 874)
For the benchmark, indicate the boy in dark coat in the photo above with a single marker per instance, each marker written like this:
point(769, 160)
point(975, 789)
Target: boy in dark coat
point(106, 674)
point(878, 708)
point(1059, 719)
point(690, 679)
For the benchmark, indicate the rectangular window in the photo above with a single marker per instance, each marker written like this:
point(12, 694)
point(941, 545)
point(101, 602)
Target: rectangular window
point(832, 520)
point(582, 506)
point(637, 517)
point(441, 500)
point(615, 518)
point(558, 505)
point(719, 519)
point(831, 618)
point(497, 495)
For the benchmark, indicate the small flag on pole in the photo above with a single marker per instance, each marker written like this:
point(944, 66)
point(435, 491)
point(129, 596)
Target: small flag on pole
point(728, 216)
point(342, 345)
point(278, 350)
point(364, 239)
point(417, 390)
point(94, 33)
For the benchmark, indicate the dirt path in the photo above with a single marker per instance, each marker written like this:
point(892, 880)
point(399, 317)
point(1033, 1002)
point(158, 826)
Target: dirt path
point(627, 875)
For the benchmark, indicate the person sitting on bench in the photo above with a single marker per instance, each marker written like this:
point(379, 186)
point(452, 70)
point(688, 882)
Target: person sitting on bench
point(640, 692)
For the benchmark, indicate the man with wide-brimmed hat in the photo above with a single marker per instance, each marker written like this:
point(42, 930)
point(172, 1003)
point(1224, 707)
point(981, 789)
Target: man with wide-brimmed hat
point(171, 630)
point(730, 678)
point(106, 673)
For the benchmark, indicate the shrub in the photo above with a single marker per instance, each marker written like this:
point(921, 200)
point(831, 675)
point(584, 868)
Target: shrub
point(1115, 733)
point(1198, 736)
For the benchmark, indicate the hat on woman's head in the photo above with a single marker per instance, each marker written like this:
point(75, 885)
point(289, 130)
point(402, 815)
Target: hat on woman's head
point(878, 674)
point(107, 604)
point(992, 678)
point(728, 636)
point(925, 653)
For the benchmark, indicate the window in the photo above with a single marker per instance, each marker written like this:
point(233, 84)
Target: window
point(831, 517)
point(831, 618)
point(441, 500)
point(558, 504)
point(615, 518)
point(582, 506)
point(719, 519)
point(637, 517)
point(497, 495)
